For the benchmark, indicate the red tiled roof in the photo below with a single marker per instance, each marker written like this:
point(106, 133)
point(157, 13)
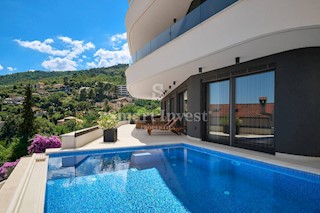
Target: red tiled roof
point(242, 110)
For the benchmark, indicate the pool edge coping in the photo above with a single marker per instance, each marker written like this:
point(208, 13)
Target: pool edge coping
point(15, 203)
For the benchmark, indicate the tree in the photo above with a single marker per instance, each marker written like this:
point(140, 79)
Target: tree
point(83, 94)
point(91, 94)
point(27, 114)
point(66, 81)
point(56, 116)
point(43, 126)
point(100, 91)
point(55, 98)
point(107, 107)
point(11, 128)
point(26, 128)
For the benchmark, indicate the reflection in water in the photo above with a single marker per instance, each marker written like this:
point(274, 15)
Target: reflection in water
point(172, 180)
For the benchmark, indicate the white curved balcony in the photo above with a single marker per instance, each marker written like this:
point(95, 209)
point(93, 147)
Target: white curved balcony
point(145, 19)
point(247, 29)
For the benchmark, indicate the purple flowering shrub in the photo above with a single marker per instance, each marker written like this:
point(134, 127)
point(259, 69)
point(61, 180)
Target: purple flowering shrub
point(6, 169)
point(41, 143)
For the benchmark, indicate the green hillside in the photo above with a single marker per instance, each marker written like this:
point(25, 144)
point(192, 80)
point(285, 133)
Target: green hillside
point(60, 95)
point(114, 74)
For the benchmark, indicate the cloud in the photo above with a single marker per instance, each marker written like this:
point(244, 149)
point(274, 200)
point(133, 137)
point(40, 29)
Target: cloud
point(118, 37)
point(77, 47)
point(42, 47)
point(71, 52)
point(48, 41)
point(118, 55)
point(59, 64)
point(11, 69)
point(107, 58)
point(59, 59)
point(1, 67)
point(91, 65)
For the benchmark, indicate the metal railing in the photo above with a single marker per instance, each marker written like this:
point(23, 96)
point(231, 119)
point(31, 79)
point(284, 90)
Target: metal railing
point(195, 17)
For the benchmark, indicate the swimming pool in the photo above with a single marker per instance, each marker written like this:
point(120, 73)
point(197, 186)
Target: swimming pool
point(175, 178)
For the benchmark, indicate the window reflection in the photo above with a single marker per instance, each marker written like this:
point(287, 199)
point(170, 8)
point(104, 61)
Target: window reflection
point(183, 108)
point(254, 110)
point(219, 108)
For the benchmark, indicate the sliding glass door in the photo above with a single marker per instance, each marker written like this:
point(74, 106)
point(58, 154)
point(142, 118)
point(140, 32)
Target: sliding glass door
point(183, 108)
point(218, 112)
point(254, 111)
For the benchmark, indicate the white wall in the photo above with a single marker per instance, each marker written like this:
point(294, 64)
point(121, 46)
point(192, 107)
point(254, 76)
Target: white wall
point(248, 29)
point(145, 19)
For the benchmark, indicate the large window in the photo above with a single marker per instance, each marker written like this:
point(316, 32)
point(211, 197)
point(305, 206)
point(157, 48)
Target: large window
point(254, 110)
point(219, 111)
point(183, 107)
point(172, 105)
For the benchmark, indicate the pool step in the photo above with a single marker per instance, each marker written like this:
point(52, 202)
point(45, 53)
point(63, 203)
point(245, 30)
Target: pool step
point(41, 157)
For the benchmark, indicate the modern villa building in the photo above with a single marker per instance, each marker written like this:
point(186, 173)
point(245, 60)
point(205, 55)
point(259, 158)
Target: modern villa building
point(251, 67)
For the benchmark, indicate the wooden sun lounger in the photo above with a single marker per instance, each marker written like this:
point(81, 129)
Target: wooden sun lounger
point(171, 125)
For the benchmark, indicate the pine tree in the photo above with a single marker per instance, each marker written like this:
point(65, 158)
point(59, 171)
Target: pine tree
point(26, 128)
point(27, 114)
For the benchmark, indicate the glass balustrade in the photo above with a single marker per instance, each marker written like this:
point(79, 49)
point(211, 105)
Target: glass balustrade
point(198, 15)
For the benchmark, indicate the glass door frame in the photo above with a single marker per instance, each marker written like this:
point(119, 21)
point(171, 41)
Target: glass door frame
point(181, 107)
point(207, 123)
point(232, 109)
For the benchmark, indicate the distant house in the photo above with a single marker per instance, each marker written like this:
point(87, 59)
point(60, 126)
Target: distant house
point(84, 88)
point(38, 112)
point(43, 92)
point(14, 100)
point(18, 100)
point(69, 118)
point(40, 86)
point(59, 87)
point(122, 90)
point(7, 101)
point(120, 102)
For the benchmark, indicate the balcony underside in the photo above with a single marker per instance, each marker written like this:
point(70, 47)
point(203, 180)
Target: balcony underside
point(142, 86)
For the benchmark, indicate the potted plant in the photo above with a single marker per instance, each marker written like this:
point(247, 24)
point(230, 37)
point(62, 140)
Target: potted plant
point(238, 124)
point(108, 122)
point(226, 127)
point(225, 123)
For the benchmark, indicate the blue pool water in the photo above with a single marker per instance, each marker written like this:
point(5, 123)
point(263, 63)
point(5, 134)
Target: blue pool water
point(175, 178)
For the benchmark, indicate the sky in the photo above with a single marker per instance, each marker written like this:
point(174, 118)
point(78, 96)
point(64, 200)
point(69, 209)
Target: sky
point(60, 35)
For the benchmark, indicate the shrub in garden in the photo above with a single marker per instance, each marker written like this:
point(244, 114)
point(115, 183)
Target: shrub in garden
point(41, 143)
point(6, 169)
